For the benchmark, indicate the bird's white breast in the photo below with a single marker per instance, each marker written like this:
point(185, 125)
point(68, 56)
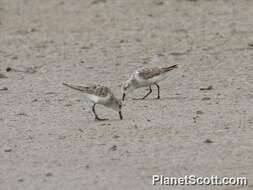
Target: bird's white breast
point(146, 82)
point(97, 99)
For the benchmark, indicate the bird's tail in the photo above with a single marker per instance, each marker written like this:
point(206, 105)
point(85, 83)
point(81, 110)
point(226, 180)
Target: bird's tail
point(75, 87)
point(166, 69)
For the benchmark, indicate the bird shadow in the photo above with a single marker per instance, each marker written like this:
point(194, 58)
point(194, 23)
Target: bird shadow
point(110, 121)
point(163, 98)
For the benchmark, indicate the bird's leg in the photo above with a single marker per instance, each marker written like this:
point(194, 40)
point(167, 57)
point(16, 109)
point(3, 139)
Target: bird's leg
point(120, 115)
point(158, 90)
point(96, 116)
point(150, 91)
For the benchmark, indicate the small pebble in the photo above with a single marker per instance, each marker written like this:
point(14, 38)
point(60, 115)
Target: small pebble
point(177, 53)
point(62, 137)
point(116, 136)
point(158, 2)
point(113, 148)
point(206, 98)
point(22, 114)
point(250, 44)
point(14, 57)
point(207, 88)
point(85, 47)
point(8, 69)
point(195, 119)
point(20, 180)
point(160, 55)
point(208, 141)
point(33, 30)
point(199, 112)
point(48, 93)
point(4, 89)
point(98, 1)
point(8, 150)
point(81, 130)
point(49, 174)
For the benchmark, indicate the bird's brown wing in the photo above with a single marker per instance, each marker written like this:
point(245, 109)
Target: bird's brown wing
point(148, 73)
point(102, 91)
point(97, 90)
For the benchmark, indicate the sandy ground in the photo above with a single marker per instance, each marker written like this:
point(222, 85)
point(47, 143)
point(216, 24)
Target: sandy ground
point(48, 138)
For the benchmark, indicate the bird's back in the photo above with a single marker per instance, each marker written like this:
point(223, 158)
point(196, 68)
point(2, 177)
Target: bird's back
point(97, 90)
point(147, 73)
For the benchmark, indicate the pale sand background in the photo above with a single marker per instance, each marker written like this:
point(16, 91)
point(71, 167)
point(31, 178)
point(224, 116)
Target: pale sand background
point(48, 139)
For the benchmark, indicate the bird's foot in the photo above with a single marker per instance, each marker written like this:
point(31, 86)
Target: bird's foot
point(101, 119)
point(138, 98)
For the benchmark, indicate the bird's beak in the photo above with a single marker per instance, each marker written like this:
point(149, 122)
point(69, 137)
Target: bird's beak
point(120, 115)
point(123, 97)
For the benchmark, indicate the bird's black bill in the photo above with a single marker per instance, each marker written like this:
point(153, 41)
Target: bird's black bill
point(123, 97)
point(120, 115)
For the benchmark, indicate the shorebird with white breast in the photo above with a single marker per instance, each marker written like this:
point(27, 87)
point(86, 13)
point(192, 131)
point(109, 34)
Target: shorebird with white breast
point(146, 77)
point(98, 94)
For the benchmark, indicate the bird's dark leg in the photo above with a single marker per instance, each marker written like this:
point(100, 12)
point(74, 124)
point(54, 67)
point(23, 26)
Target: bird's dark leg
point(96, 116)
point(158, 90)
point(150, 91)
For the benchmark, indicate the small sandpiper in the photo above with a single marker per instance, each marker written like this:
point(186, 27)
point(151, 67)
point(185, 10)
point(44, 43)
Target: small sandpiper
point(98, 94)
point(146, 77)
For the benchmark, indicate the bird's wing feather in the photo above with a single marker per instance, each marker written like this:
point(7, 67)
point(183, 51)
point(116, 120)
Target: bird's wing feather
point(166, 69)
point(148, 73)
point(97, 90)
